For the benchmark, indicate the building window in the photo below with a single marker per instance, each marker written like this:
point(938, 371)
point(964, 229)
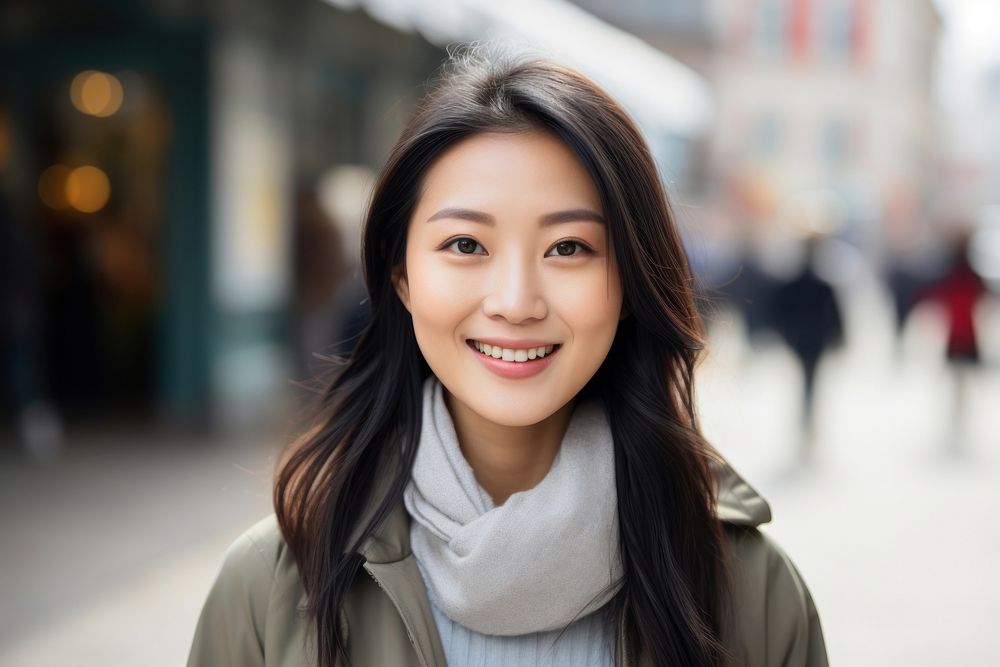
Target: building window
point(835, 27)
point(766, 136)
point(836, 140)
point(772, 27)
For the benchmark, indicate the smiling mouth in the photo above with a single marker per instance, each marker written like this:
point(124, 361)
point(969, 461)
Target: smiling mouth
point(523, 356)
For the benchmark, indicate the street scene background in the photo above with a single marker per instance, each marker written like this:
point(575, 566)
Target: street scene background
point(182, 186)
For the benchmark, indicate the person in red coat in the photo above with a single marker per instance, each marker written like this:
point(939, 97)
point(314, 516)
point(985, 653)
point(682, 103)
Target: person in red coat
point(958, 293)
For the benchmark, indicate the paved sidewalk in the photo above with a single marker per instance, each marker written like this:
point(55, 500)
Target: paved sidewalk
point(109, 552)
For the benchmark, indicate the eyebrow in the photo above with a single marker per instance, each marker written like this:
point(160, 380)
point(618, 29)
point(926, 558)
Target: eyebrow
point(572, 215)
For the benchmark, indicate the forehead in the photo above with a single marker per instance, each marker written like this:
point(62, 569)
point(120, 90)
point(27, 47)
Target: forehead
point(530, 170)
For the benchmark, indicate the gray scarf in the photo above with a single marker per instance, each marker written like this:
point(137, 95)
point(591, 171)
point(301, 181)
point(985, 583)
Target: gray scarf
point(546, 556)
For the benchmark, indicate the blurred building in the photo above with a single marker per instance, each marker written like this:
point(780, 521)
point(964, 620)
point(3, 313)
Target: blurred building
point(150, 157)
point(831, 95)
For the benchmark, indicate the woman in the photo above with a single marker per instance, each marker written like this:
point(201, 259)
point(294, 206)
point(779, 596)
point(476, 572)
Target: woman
point(509, 470)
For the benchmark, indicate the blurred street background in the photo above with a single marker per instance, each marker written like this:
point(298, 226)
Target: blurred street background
point(181, 191)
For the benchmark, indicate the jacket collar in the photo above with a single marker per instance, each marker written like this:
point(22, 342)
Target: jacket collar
point(737, 503)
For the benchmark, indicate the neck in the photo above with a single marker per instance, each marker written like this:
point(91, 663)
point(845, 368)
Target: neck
point(508, 459)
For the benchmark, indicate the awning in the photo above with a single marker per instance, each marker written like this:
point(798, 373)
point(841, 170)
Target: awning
point(663, 95)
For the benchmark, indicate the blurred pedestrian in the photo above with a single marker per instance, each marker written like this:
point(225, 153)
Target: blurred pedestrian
point(320, 269)
point(345, 191)
point(805, 313)
point(958, 292)
point(752, 292)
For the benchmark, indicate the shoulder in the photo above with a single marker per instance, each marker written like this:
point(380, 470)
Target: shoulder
point(262, 544)
point(256, 584)
point(250, 563)
point(774, 618)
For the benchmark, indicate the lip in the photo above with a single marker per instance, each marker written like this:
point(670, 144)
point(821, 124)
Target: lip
point(513, 369)
point(515, 343)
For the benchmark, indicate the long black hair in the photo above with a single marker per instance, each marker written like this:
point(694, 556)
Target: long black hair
point(674, 593)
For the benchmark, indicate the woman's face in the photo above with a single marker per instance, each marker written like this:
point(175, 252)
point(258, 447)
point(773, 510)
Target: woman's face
point(508, 246)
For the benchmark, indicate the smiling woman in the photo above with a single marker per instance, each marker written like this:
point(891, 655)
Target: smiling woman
point(516, 199)
point(512, 453)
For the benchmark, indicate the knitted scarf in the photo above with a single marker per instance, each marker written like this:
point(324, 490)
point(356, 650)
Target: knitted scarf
point(545, 557)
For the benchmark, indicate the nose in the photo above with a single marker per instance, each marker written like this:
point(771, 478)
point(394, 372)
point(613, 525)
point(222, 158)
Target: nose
point(514, 292)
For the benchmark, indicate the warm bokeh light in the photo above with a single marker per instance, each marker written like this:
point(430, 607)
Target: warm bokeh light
point(96, 93)
point(87, 189)
point(52, 186)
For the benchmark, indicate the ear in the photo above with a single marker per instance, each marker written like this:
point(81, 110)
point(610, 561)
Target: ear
point(401, 286)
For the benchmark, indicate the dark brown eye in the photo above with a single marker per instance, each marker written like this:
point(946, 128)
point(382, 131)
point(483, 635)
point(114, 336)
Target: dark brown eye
point(566, 248)
point(466, 246)
point(569, 248)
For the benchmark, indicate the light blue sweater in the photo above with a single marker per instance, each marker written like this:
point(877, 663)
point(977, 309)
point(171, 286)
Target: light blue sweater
point(587, 642)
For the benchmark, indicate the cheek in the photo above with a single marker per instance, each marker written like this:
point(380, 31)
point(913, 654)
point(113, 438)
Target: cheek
point(436, 300)
point(591, 304)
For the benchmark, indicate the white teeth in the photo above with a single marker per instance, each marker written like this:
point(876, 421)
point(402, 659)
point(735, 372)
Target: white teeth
point(508, 354)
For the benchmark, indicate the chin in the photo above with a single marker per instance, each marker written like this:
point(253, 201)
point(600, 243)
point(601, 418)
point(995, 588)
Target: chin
point(498, 412)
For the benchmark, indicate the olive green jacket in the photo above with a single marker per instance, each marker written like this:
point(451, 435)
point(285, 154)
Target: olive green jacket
point(253, 613)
